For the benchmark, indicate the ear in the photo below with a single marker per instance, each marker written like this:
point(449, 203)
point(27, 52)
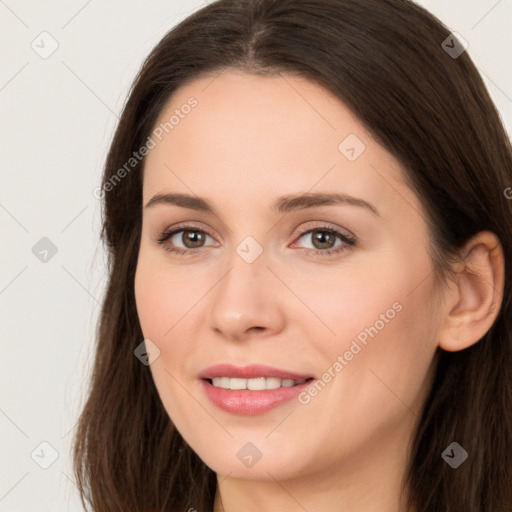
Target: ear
point(473, 299)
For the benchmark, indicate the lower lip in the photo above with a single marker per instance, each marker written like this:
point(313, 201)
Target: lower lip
point(249, 403)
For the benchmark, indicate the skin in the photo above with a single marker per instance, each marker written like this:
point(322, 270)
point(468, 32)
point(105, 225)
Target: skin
point(249, 140)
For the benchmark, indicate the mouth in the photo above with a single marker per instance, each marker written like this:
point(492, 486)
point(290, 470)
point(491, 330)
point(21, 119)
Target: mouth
point(253, 389)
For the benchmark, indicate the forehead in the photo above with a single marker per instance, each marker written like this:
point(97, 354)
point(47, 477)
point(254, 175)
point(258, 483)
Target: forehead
point(250, 135)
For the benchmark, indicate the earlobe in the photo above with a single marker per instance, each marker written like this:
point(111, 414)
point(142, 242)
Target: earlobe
point(473, 300)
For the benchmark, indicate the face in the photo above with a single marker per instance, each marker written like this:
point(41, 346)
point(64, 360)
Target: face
point(340, 293)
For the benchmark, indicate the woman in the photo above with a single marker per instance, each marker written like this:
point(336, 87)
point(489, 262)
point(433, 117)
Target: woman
point(309, 303)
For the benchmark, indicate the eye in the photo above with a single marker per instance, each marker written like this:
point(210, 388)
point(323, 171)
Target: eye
point(191, 237)
point(323, 239)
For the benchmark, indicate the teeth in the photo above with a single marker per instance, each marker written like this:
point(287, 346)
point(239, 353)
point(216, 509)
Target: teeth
point(257, 384)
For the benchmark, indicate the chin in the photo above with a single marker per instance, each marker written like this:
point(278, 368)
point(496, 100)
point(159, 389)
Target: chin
point(247, 462)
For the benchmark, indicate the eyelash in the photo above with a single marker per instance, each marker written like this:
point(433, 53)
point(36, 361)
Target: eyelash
point(348, 241)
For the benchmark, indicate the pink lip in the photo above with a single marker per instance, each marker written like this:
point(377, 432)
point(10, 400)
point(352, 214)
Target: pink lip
point(247, 402)
point(249, 372)
point(250, 403)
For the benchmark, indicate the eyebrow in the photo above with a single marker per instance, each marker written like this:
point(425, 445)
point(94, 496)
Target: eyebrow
point(283, 204)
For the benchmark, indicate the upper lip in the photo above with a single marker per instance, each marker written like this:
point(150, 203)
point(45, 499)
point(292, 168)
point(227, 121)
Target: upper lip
point(249, 372)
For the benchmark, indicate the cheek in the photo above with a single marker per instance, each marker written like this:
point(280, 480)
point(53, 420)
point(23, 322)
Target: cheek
point(363, 304)
point(169, 301)
point(389, 374)
point(162, 297)
point(383, 334)
point(376, 370)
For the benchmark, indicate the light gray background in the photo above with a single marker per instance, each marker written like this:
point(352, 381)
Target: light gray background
point(57, 118)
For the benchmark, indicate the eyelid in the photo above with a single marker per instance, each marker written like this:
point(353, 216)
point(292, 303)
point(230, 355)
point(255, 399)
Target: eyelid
point(184, 226)
point(327, 226)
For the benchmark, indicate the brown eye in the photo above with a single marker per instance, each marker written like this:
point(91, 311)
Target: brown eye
point(192, 238)
point(326, 241)
point(323, 239)
point(184, 240)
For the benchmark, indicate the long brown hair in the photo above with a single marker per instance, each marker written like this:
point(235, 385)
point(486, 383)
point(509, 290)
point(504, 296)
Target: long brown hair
point(386, 61)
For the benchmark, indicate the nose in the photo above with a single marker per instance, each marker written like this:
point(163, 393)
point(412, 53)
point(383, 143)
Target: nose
point(246, 302)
